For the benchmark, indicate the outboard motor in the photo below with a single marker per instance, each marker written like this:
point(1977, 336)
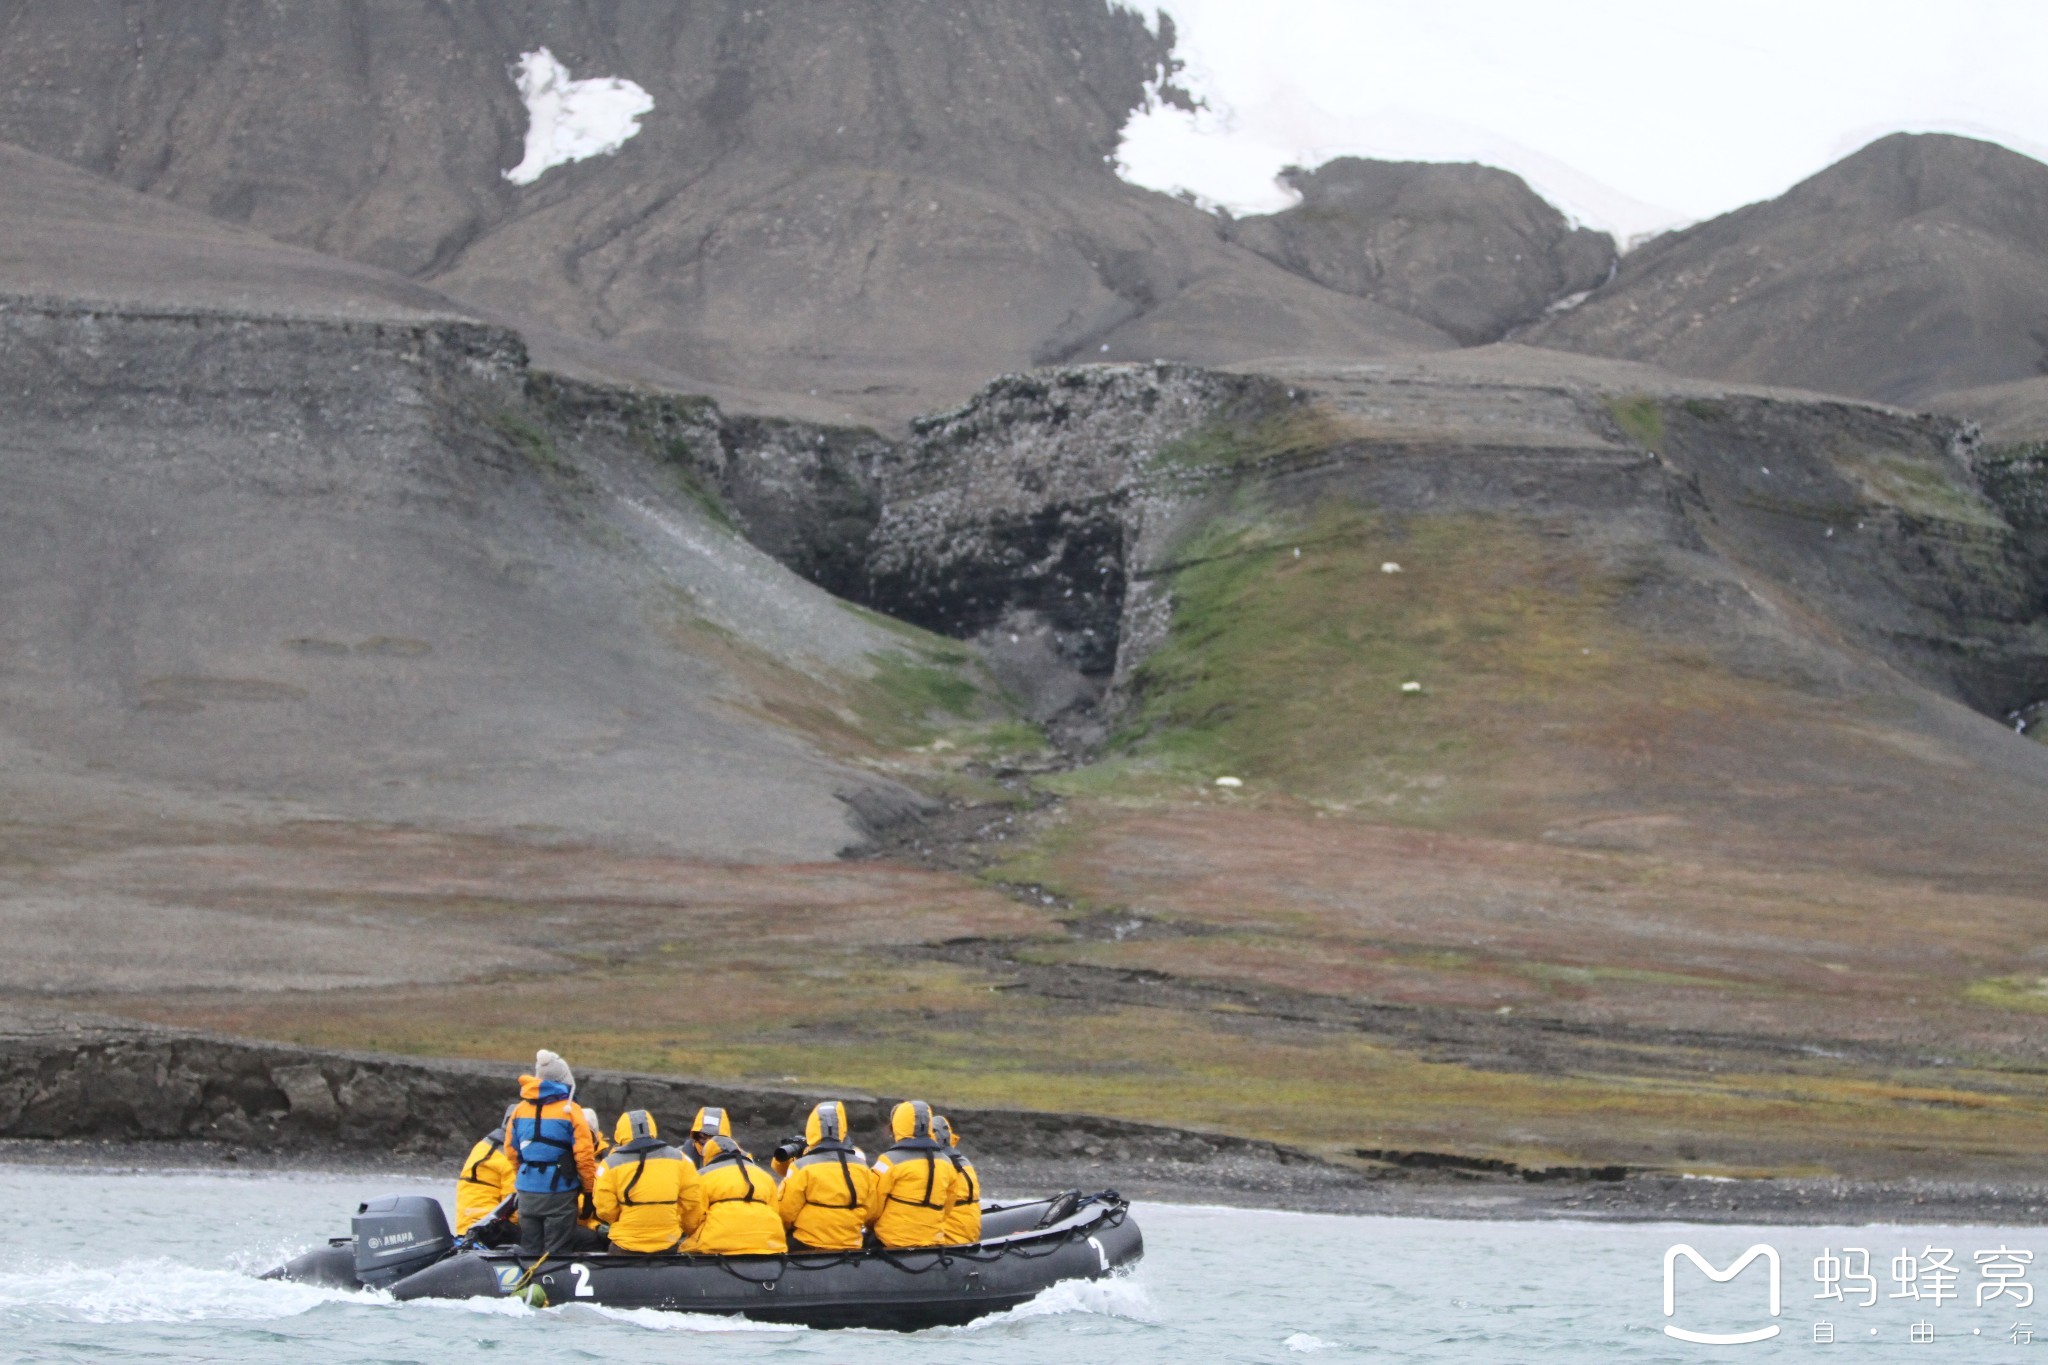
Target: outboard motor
point(397, 1235)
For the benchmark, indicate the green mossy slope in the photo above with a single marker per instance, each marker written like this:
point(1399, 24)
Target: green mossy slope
point(1354, 659)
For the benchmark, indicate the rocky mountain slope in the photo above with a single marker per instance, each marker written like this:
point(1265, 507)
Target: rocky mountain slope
point(2005, 414)
point(1786, 536)
point(830, 216)
point(1468, 248)
point(1606, 792)
point(1916, 266)
point(1623, 771)
point(67, 234)
point(886, 211)
point(288, 542)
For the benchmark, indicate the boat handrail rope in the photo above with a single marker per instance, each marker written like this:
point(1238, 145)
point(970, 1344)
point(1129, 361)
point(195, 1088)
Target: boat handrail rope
point(1027, 1248)
point(726, 1265)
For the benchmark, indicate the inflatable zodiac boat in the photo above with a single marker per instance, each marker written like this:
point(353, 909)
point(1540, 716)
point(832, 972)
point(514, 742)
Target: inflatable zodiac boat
point(401, 1243)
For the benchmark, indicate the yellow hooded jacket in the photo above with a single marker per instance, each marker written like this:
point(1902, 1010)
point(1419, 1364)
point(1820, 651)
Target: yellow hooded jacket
point(963, 1220)
point(599, 1145)
point(826, 1194)
point(485, 1182)
point(647, 1190)
point(740, 1215)
point(915, 1185)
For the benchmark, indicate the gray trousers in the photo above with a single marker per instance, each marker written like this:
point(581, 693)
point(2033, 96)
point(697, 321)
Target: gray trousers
point(548, 1226)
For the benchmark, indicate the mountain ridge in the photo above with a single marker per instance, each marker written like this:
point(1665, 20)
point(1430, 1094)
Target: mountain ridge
point(886, 211)
point(1915, 266)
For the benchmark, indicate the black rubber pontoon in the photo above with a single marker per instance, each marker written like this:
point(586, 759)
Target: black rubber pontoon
point(1025, 1249)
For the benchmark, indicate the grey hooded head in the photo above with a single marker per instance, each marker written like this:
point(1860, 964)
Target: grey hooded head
point(549, 1066)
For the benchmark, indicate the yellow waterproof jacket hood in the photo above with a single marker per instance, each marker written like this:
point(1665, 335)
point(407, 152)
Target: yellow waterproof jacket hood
point(634, 1123)
point(912, 1119)
point(830, 1115)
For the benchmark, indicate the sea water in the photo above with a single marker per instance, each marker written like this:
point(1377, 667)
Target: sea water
point(102, 1266)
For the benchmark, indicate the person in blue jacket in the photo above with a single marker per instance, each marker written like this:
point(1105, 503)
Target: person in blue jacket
point(547, 1136)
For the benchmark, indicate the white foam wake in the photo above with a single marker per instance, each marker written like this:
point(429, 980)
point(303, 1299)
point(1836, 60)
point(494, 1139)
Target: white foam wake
point(160, 1290)
point(154, 1291)
point(652, 1319)
point(1302, 1341)
point(666, 1320)
point(1119, 1296)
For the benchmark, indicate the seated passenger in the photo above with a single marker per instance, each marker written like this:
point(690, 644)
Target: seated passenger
point(740, 1216)
point(963, 1220)
point(486, 1179)
point(586, 1212)
point(710, 1123)
point(914, 1182)
point(825, 1194)
point(647, 1190)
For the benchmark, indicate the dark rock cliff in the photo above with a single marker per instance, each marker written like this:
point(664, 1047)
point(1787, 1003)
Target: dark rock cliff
point(1054, 506)
point(1043, 519)
point(131, 1083)
point(2015, 478)
point(1016, 512)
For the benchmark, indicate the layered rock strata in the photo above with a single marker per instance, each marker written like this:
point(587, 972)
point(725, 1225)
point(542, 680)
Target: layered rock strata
point(1060, 500)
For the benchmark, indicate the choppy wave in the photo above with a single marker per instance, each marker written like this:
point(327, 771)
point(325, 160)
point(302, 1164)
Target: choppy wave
point(1302, 1341)
point(651, 1319)
point(1119, 1296)
point(156, 1290)
point(662, 1320)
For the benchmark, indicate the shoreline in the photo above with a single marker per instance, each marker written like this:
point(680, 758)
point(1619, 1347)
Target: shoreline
point(1234, 1183)
point(100, 1094)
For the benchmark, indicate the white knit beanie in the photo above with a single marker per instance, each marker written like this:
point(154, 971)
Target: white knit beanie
point(549, 1066)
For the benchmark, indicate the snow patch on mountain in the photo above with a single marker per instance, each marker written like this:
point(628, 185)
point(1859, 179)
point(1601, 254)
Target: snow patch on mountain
point(1224, 155)
point(569, 120)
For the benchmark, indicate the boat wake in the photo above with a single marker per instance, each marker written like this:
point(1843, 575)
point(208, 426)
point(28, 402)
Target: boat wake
point(156, 1290)
point(661, 1320)
point(651, 1319)
point(1119, 1296)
